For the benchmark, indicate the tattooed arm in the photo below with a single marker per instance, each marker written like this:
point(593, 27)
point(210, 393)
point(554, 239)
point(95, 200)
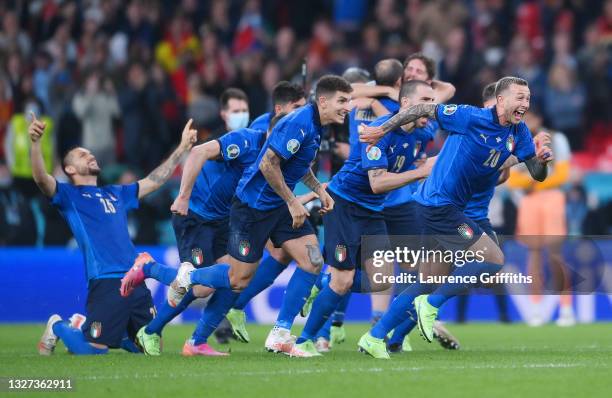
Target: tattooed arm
point(372, 134)
point(311, 181)
point(160, 175)
point(270, 168)
point(382, 181)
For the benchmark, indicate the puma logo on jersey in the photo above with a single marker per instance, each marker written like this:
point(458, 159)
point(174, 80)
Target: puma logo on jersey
point(484, 137)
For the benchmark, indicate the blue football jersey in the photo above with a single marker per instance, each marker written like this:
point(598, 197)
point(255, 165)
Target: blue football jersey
point(395, 152)
point(366, 116)
point(422, 137)
point(97, 217)
point(477, 207)
point(295, 139)
point(475, 149)
point(214, 188)
point(262, 122)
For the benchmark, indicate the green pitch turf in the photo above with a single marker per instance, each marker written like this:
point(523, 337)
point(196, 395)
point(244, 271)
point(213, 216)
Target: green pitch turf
point(495, 361)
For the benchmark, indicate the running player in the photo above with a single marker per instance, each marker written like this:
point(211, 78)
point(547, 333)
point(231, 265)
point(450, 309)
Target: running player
point(485, 138)
point(359, 191)
point(97, 217)
point(265, 207)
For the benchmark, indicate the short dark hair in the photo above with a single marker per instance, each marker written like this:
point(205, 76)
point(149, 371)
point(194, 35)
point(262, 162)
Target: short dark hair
point(68, 156)
point(505, 82)
point(275, 120)
point(355, 74)
point(408, 88)
point(232, 93)
point(285, 93)
point(329, 84)
point(488, 92)
point(430, 65)
point(388, 71)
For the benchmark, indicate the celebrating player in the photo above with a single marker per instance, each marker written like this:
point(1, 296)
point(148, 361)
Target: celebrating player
point(97, 217)
point(480, 142)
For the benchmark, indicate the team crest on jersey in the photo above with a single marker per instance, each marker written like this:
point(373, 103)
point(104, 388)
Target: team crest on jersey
point(233, 151)
point(197, 256)
point(340, 253)
point(465, 231)
point(244, 247)
point(510, 143)
point(293, 145)
point(449, 109)
point(374, 153)
point(417, 149)
point(95, 330)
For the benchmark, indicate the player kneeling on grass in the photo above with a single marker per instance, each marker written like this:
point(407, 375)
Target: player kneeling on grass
point(97, 217)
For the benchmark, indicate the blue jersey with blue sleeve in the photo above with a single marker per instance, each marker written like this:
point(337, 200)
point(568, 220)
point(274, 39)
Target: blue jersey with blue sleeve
point(97, 217)
point(262, 122)
point(478, 206)
point(366, 116)
point(422, 137)
point(475, 149)
point(395, 152)
point(295, 139)
point(214, 188)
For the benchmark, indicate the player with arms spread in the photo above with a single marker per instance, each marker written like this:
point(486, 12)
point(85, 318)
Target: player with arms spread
point(97, 217)
point(481, 140)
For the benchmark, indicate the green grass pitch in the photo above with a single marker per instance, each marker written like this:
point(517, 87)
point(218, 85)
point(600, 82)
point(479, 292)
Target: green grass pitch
point(495, 361)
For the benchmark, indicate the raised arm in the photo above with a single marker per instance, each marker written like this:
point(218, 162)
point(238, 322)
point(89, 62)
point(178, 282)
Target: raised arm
point(46, 183)
point(160, 175)
point(443, 91)
point(194, 163)
point(371, 134)
point(270, 168)
point(366, 90)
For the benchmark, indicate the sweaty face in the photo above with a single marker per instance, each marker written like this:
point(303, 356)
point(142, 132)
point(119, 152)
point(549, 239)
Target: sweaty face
point(422, 95)
point(337, 107)
point(514, 102)
point(416, 70)
point(82, 162)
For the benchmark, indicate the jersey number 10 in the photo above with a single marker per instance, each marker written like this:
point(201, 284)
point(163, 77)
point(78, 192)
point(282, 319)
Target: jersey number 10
point(108, 206)
point(492, 159)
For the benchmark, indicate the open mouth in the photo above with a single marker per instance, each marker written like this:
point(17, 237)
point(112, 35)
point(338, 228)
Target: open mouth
point(518, 114)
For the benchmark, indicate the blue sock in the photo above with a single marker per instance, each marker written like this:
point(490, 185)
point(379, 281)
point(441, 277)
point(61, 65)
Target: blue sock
point(398, 310)
point(325, 303)
point(449, 290)
point(325, 330)
point(264, 277)
point(219, 304)
point(75, 340)
point(322, 280)
point(298, 290)
point(215, 276)
point(160, 272)
point(338, 315)
point(167, 313)
point(402, 330)
point(361, 284)
point(129, 346)
point(336, 318)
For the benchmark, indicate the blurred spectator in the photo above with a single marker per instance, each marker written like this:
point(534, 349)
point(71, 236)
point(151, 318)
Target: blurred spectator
point(96, 106)
point(564, 103)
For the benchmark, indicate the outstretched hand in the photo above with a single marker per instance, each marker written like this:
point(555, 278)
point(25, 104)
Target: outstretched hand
point(36, 128)
point(189, 136)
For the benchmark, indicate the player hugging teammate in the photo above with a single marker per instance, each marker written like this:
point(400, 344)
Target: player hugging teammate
point(237, 198)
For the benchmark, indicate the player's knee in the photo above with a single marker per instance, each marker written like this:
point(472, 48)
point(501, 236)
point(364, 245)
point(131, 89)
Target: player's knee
point(341, 282)
point(202, 291)
point(280, 255)
point(239, 280)
point(495, 256)
point(316, 258)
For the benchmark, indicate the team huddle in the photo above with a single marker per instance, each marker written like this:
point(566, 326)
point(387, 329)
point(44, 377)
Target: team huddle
point(237, 198)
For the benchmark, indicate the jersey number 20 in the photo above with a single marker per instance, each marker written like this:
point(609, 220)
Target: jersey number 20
point(108, 205)
point(492, 159)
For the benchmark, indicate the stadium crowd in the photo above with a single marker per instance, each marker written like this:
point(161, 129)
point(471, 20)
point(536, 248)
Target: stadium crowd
point(121, 78)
